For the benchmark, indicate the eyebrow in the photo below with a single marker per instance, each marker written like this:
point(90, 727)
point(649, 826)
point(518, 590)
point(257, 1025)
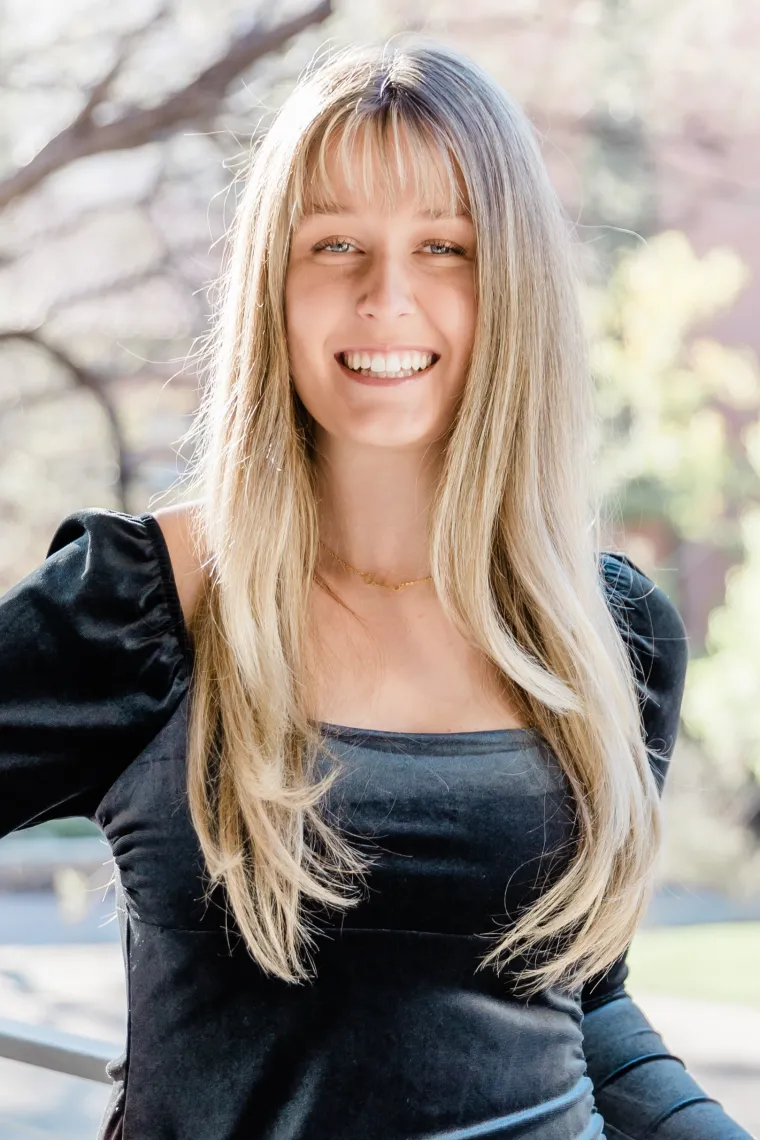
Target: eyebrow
point(337, 208)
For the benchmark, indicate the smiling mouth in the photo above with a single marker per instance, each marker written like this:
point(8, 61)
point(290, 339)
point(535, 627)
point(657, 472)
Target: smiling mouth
point(419, 363)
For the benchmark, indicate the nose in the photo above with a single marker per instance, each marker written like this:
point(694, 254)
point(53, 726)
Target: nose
point(385, 289)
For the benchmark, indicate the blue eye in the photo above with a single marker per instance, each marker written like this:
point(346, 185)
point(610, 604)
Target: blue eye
point(447, 247)
point(332, 242)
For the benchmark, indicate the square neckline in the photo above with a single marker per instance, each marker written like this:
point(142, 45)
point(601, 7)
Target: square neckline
point(477, 735)
point(349, 733)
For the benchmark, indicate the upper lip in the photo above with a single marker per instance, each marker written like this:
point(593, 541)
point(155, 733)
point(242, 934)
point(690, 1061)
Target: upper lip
point(385, 350)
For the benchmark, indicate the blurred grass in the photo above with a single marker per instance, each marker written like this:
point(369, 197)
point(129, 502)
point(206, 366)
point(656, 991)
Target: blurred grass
point(75, 827)
point(712, 962)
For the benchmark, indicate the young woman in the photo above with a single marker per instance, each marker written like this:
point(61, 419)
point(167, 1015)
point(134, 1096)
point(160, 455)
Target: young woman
point(374, 728)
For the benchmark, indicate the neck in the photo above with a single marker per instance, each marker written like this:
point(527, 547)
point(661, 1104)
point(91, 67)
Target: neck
point(374, 505)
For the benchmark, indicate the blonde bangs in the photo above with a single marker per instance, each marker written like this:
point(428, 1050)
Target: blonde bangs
point(366, 141)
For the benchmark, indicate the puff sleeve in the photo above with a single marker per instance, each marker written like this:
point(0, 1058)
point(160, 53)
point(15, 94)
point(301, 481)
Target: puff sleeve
point(94, 660)
point(641, 1089)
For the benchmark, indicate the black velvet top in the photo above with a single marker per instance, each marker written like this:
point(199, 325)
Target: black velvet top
point(398, 1038)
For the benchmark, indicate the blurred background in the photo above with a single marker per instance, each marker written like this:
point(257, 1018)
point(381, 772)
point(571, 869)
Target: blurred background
point(121, 130)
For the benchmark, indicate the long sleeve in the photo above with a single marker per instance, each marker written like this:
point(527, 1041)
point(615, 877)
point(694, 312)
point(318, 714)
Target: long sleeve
point(641, 1089)
point(93, 662)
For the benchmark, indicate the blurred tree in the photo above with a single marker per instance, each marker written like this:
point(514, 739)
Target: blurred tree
point(665, 453)
point(105, 123)
point(620, 176)
point(663, 393)
point(722, 703)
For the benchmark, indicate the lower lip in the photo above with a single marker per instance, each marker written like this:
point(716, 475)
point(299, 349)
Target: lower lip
point(382, 381)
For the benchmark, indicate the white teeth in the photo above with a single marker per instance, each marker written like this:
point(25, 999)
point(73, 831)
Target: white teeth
point(389, 365)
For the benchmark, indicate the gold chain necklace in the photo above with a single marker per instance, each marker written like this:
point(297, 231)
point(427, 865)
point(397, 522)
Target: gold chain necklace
point(370, 579)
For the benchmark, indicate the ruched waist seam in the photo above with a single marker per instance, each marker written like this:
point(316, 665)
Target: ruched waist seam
point(503, 1125)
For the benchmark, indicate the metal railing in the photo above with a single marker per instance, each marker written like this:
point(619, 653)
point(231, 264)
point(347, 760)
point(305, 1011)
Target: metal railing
point(47, 1048)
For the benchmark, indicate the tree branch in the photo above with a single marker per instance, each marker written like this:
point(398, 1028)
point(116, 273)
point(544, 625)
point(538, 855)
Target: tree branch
point(197, 100)
point(84, 378)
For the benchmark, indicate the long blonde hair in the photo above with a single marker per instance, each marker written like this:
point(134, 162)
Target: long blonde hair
point(514, 528)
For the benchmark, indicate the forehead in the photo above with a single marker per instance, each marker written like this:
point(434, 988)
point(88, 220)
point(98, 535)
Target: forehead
point(382, 166)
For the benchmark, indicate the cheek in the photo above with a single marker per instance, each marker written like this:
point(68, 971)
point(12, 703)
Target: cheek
point(301, 337)
point(309, 315)
point(306, 320)
point(297, 312)
point(457, 312)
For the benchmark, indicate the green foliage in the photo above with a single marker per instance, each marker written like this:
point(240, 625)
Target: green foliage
point(666, 398)
point(722, 702)
point(665, 451)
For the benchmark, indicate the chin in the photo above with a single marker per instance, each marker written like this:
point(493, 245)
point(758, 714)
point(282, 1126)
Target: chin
point(391, 430)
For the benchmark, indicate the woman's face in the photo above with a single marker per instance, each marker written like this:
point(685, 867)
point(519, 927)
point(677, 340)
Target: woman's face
point(371, 292)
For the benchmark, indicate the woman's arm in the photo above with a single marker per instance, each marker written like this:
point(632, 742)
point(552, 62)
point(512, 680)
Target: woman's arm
point(92, 665)
point(642, 1090)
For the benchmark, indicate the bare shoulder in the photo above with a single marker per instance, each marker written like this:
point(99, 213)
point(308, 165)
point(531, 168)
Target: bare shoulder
point(186, 559)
